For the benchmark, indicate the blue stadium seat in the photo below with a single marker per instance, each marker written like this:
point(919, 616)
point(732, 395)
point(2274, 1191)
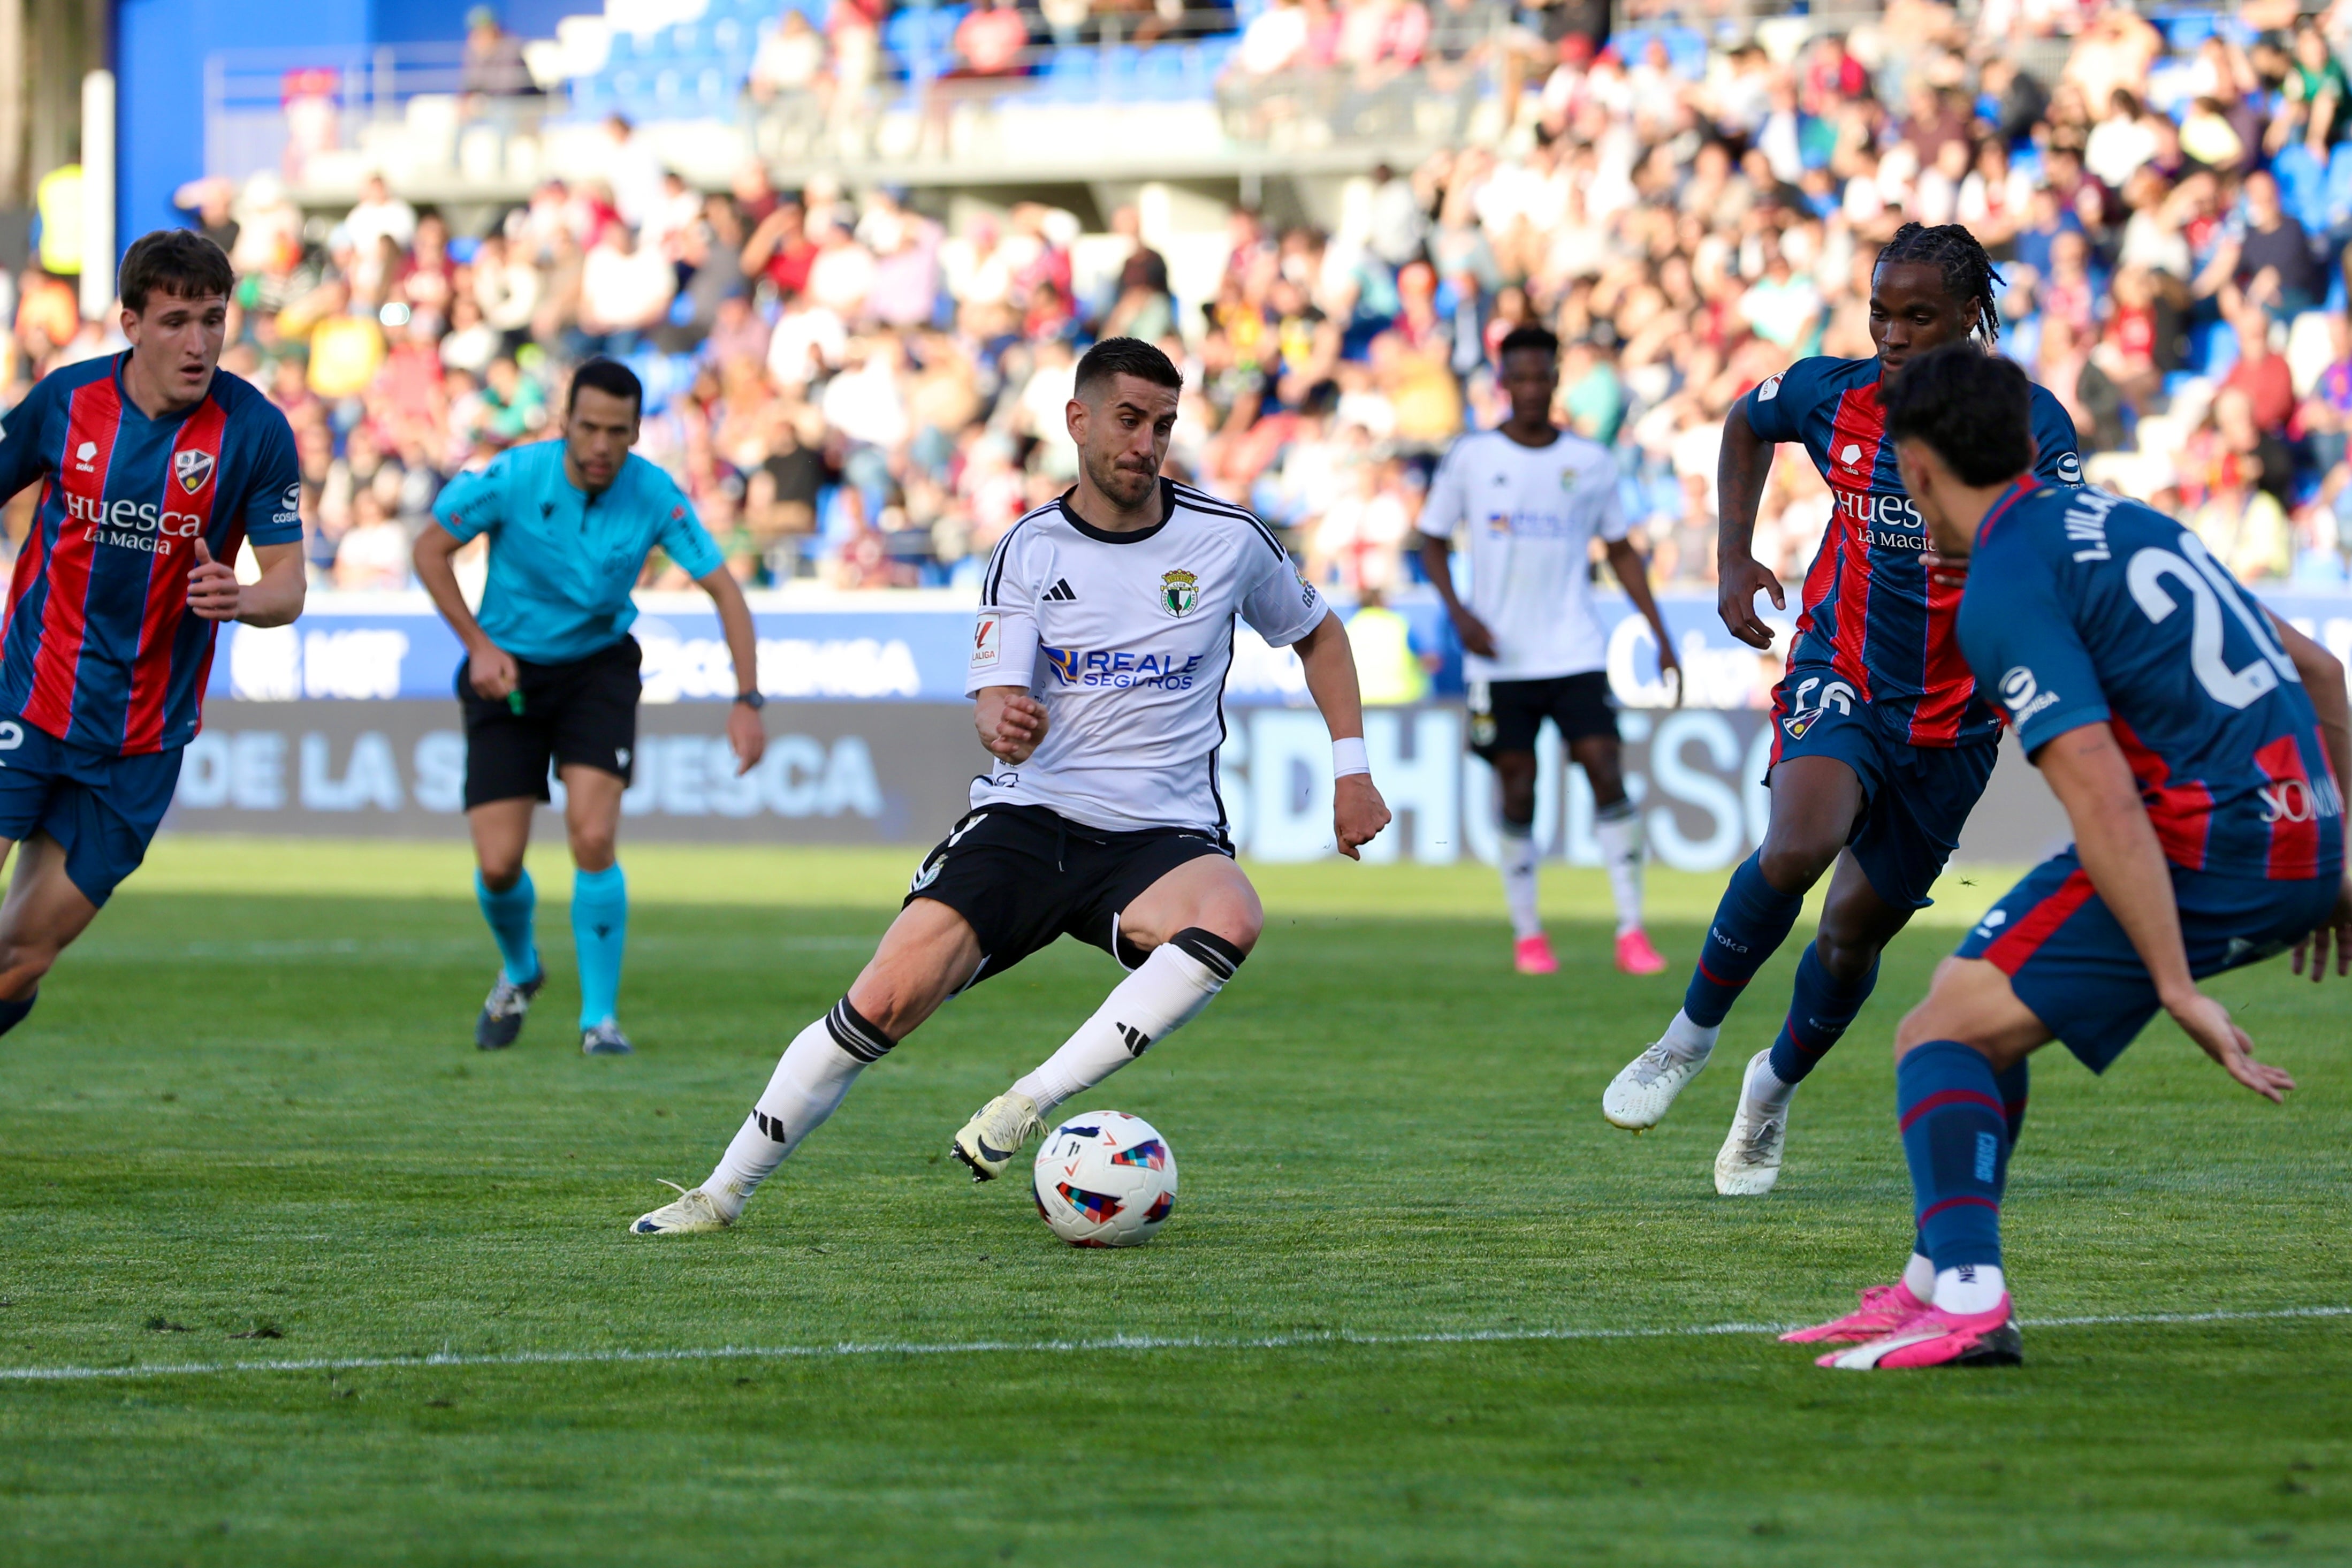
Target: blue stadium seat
point(2303, 184)
point(923, 40)
point(1074, 74)
point(2338, 198)
point(1159, 75)
point(2185, 31)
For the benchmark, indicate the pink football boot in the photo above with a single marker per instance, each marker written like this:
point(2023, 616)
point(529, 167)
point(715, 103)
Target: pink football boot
point(1532, 956)
point(1937, 1338)
point(1636, 956)
point(1884, 1310)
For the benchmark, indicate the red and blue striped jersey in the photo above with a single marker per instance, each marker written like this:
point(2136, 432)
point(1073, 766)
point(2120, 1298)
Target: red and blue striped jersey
point(1868, 608)
point(100, 647)
point(2084, 607)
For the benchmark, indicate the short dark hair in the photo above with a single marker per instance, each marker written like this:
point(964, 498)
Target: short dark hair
point(1125, 356)
point(609, 376)
point(175, 261)
point(1528, 338)
point(1973, 409)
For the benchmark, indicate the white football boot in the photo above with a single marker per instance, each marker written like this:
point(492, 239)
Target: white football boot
point(995, 1133)
point(691, 1214)
point(1750, 1161)
point(1637, 1099)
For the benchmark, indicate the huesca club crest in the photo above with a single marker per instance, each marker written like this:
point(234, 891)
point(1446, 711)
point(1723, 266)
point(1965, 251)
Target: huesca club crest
point(1178, 592)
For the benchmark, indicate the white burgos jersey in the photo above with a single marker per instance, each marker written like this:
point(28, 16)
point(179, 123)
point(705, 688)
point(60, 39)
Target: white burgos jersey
point(1126, 638)
point(1531, 513)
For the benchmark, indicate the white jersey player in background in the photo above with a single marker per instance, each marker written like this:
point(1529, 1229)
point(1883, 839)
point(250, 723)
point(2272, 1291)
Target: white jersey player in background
point(1531, 498)
point(1098, 662)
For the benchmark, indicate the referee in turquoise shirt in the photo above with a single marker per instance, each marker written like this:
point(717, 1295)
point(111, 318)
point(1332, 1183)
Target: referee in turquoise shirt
point(550, 675)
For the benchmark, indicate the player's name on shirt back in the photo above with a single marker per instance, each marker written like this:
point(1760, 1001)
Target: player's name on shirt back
point(2084, 607)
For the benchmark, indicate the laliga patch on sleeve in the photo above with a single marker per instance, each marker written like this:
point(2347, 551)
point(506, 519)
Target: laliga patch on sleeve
point(987, 641)
point(1769, 390)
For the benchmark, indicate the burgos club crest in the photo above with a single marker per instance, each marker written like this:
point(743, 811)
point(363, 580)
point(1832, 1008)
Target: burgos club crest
point(1180, 591)
point(192, 468)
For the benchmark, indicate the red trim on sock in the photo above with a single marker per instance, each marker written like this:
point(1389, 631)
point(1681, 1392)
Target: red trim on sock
point(1932, 1210)
point(1944, 1096)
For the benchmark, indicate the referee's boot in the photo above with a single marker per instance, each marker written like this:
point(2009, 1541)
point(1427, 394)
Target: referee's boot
point(503, 1012)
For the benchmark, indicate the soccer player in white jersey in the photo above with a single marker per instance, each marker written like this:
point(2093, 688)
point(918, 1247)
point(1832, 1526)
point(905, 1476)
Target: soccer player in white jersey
point(1532, 497)
point(1098, 664)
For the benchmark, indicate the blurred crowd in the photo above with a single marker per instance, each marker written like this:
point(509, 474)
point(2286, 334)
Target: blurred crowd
point(856, 394)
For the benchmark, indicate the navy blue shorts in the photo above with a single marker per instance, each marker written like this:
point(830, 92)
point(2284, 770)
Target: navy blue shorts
point(102, 809)
point(1916, 799)
point(2071, 965)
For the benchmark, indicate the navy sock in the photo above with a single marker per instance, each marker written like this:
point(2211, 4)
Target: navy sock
point(1956, 1138)
point(13, 1012)
point(2013, 1087)
point(509, 917)
point(1748, 926)
point(1820, 1012)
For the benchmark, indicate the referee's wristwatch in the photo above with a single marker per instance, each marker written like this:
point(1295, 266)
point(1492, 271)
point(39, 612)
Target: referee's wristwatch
point(755, 701)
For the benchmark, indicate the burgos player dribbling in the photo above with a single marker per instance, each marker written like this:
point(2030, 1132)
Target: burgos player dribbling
point(1098, 665)
point(1881, 744)
point(2197, 743)
point(154, 470)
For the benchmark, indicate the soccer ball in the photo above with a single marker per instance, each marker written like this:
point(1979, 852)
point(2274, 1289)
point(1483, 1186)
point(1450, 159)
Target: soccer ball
point(1106, 1179)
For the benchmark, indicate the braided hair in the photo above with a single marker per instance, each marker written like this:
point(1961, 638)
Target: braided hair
point(1967, 271)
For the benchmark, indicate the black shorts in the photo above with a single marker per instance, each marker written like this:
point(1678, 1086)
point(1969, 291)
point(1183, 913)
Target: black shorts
point(1505, 714)
point(583, 711)
point(1022, 875)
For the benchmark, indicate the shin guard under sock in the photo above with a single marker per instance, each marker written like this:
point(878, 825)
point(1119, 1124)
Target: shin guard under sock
point(1820, 1012)
point(1749, 925)
point(600, 929)
point(1955, 1139)
point(510, 916)
point(1166, 992)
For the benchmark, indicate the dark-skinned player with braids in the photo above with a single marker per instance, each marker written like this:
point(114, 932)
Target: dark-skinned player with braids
point(1882, 743)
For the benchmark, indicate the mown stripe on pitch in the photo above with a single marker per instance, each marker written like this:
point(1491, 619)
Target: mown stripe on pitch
point(1338, 1338)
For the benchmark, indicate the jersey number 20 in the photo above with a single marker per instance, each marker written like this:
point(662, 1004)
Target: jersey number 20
point(2209, 590)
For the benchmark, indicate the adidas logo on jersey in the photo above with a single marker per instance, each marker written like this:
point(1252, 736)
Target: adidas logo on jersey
point(1061, 592)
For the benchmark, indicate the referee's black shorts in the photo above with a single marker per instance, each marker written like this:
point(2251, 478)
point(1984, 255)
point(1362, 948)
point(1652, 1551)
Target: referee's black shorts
point(583, 711)
point(1505, 715)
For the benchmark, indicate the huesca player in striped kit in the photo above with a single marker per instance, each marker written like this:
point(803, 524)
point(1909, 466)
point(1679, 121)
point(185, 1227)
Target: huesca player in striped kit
point(1881, 745)
point(154, 470)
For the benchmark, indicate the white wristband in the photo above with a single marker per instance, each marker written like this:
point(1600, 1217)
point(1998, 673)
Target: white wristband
point(1349, 756)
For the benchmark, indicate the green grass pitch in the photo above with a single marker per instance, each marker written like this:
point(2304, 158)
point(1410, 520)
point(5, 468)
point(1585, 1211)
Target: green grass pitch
point(249, 1106)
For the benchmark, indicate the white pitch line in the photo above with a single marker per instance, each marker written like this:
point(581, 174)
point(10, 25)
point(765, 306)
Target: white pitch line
point(999, 1347)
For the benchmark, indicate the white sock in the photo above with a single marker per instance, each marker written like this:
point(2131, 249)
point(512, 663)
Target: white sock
point(1520, 880)
point(1688, 1042)
point(1166, 992)
point(1919, 1276)
point(1619, 831)
point(816, 1071)
point(1971, 1288)
point(1765, 1089)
